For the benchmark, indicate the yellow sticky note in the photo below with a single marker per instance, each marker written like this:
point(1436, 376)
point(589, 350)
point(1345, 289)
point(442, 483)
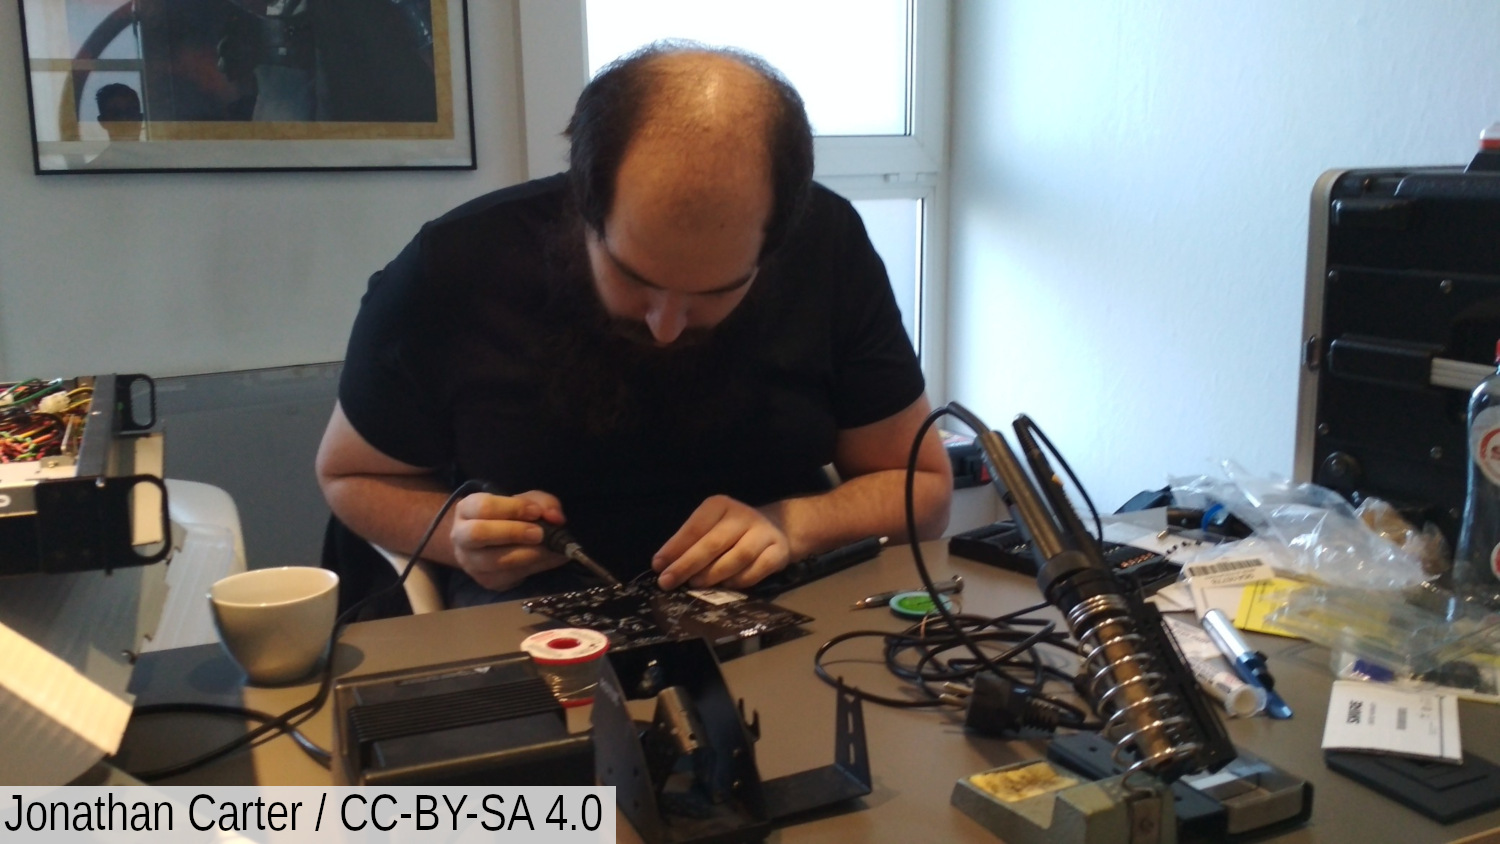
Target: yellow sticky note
point(1262, 598)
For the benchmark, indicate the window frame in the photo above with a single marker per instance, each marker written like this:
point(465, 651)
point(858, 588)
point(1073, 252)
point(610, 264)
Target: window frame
point(554, 69)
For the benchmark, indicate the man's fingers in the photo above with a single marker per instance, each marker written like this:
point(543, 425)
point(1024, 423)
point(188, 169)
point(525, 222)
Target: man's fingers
point(496, 537)
point(734, 561)
point(484, 533)
point(482, 505)
point(703, 520)
point(773, 559)
point(551, 507)
point(708, 549)
point(503, 569)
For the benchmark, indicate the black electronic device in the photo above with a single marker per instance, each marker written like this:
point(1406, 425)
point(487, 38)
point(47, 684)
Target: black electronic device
point(491, 721)
point(1444, 792)
point(967, 461)
point(1003, 545)
point(817, 567)
point(1246, 798)
point(80, 475)
point(1400, 319)
point(641, 613)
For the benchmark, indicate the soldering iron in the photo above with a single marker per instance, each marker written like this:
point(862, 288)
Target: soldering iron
point(556, 538)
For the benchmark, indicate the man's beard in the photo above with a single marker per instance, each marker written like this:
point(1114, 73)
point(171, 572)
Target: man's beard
point(609, 375)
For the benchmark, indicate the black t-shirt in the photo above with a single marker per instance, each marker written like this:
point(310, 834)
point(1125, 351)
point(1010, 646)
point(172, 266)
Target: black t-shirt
point(482, 351)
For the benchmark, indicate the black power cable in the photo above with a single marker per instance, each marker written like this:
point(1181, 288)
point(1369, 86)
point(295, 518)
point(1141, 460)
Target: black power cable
point(1005, 687)
point(287, 722)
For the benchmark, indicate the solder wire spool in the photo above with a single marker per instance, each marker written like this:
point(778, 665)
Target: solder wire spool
point(569, 660)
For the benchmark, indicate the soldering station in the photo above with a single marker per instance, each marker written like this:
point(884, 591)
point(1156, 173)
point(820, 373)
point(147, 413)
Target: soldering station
point(1135, 752)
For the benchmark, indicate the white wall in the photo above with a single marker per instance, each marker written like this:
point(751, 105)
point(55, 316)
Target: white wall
point(188, 273)
point(1130, 188)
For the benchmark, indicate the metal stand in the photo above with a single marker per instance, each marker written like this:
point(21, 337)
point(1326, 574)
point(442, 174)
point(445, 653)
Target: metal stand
point(690, 775)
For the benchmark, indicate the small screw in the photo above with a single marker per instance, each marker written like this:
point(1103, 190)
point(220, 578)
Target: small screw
point(1436, 453)
point(1446, 285)
point(1323, 428)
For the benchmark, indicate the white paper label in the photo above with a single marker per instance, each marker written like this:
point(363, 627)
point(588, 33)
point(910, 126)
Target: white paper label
point(717, 597)
point(1376, 718)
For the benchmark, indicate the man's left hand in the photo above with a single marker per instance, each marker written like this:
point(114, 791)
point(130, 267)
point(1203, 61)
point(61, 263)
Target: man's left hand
point(724, 542)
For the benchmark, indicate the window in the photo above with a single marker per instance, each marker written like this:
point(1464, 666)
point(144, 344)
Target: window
point(847, 58)
point(872, 72)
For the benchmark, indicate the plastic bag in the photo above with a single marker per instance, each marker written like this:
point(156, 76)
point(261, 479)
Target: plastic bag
point(1427, 544)
point(1316, 529)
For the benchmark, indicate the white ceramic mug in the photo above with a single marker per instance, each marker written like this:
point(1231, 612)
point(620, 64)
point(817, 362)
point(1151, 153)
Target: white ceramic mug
point(275, 623)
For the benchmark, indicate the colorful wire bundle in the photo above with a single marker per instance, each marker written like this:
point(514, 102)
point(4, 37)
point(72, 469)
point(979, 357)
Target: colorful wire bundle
point(32, 429)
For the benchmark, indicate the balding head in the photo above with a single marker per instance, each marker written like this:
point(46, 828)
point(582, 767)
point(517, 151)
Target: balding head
point(701, 156)
point(709, 132)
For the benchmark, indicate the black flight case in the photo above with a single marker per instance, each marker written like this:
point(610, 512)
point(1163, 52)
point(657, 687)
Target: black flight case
point(1400, 322)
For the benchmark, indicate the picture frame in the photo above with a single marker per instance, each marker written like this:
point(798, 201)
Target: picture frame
point(154, 86)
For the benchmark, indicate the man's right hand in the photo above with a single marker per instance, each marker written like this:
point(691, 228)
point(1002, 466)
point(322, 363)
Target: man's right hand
point(497, 538)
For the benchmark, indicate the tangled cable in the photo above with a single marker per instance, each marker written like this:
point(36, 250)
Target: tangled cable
point(937, 663)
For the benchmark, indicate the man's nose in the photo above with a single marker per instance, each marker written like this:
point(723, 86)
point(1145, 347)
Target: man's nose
point(666, 316)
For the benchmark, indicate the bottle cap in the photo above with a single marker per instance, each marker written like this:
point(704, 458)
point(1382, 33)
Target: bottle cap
point(1489, 138)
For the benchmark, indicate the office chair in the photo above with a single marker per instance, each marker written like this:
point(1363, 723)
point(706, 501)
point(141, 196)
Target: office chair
point(421, 585)
point(210, 546)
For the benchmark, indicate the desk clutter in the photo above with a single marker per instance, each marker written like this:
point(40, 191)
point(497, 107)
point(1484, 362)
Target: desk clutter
point(666, 734)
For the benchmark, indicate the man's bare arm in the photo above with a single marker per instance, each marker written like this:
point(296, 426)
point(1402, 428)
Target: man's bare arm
point(382, 499)
point(391, 503)
point(871, 500)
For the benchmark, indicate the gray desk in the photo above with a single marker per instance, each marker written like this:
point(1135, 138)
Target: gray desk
point(916, 754)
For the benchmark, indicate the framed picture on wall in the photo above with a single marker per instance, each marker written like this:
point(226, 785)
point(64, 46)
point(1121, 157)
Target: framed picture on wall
point(173, 85)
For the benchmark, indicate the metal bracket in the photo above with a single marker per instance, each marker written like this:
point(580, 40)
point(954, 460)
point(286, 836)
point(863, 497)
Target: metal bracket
point(691, 776)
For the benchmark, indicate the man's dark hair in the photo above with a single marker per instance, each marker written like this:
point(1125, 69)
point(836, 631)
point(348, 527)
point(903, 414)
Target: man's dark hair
point(117, 101)
point(613, 105)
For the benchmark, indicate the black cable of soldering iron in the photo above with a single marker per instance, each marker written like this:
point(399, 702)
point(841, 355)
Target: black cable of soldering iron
point(287, 721)
point(911, 525)
point(934, 640)
point(916, 545)
point(916, 551)
point(977, 425)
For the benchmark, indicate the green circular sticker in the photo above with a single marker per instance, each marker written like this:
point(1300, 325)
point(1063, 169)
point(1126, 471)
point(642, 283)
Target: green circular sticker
point(916, 604)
